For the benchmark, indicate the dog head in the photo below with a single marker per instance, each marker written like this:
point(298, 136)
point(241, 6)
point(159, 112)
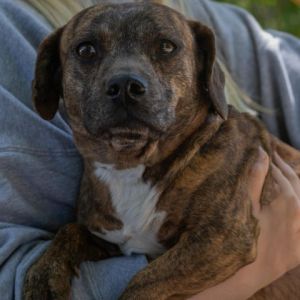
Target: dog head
point(133, 78)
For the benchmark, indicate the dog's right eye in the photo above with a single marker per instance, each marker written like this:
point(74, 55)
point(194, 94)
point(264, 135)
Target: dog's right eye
point(86, 50)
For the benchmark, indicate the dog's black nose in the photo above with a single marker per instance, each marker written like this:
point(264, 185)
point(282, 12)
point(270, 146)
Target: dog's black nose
point(126, 85)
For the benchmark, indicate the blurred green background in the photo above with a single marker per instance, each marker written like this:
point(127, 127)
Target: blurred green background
point(283, 15)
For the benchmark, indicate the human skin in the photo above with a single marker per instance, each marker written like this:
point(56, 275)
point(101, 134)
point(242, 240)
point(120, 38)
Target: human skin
point(283, 214)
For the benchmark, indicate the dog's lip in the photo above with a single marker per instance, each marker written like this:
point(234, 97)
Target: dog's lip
point(129, 134)
point(125, 140)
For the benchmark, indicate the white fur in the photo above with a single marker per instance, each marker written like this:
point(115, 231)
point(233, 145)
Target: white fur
point(135, 204)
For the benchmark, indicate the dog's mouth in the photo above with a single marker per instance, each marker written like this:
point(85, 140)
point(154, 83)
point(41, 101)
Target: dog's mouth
point(127, 139)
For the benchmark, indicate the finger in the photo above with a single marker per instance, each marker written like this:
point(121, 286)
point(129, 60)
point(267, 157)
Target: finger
point(257, 178)
point(284, 186)
point(288, 172)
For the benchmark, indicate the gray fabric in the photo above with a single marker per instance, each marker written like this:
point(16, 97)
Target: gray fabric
point(265, 64)
point(40, 169)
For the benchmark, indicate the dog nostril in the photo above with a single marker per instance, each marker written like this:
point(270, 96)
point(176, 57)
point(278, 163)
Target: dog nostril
point(135, 88)
point(113, 91)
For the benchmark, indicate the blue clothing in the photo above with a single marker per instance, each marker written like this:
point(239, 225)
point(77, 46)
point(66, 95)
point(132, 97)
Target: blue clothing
point(40, 169)
point(264, 63)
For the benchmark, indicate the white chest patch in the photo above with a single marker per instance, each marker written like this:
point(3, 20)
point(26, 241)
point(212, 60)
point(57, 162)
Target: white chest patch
point(135, 204)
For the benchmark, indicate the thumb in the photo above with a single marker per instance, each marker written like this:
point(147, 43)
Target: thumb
point(256, 179)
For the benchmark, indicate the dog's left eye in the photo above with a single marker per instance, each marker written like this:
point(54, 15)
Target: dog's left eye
point(167, 47)
point(86, 50)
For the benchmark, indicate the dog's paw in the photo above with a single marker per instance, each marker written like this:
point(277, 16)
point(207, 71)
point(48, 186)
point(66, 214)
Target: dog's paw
point(48, 281)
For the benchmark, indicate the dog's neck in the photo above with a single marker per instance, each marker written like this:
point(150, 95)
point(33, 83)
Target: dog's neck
point(181, 134)
point(165, 170)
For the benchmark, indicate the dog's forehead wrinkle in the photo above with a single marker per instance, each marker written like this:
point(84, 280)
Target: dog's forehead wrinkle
point(126, 25)
point(129, 18)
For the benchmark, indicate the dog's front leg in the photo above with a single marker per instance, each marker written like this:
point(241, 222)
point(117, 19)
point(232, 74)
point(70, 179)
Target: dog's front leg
point(50, 277)
point(187, 269)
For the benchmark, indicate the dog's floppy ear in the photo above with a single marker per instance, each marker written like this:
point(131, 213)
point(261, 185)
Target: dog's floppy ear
point(47, 84)
point(211, 77)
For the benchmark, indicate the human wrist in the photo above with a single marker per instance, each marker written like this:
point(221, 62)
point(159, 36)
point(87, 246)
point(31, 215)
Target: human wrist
point(256, 276)
point(241, 286)
point(250, 279)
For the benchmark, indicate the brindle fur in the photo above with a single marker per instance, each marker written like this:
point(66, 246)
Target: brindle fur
point(198, 153)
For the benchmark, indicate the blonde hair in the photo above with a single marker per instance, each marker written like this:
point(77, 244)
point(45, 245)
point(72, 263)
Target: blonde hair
point(59, 12)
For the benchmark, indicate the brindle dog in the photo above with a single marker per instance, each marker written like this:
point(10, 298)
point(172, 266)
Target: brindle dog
point(165, 158)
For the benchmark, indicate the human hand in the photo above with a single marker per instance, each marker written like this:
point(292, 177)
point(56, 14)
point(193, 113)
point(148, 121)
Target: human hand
point(279, 240)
